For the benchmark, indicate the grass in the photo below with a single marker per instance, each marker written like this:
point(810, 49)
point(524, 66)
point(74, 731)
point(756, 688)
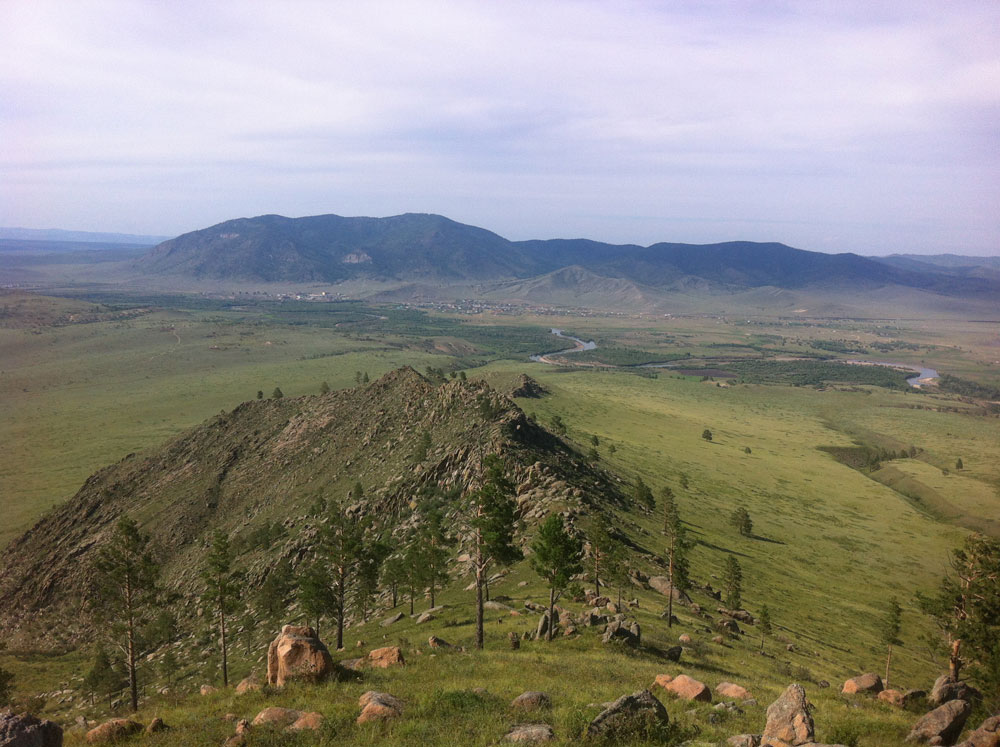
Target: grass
point(830, 545)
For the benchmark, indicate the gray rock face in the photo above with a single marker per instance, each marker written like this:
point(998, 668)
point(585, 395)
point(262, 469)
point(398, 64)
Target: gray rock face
point(942, 725)
point(788, 718)
point(530, 733)
point(392, 620)
point(946, 688)
point(629, 716)
point(987, 735)
point(24, 730)
point(530, 701)
point(617, 631)
point(674, 653)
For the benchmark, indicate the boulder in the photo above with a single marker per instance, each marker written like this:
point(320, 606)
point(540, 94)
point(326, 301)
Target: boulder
point(113, 731)
point(662, 585)
point(531, 701)
point(156, 725)
point(208, 689)
point(689, 688)
point(496, 606)
point(674, 653)
point(298, 654)
point(892, 697)
point(280, 717)
point(788, 718)
point(383, 658)
point(617, 631)
point(629, 716)
point(513, 640)
point(376, 706)
point(947, 688)
point(310, 721)
point(543, 626)
point(744, 740)
point(25, 730)
point(530, 733)
point(863, 683)
point(731, 690)
point(435, 642)
point(391, 620)
point(718, 639)
point(987, 735)
point(684, 638)
point(424, 617)
point(248, 685)
point(942, 725)
point(662, 680)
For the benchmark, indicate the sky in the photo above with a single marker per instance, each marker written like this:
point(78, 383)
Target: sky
point(871, 127)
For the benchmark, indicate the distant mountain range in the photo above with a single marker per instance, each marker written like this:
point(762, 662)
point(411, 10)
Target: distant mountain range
point(88, 237)
point(421, 248)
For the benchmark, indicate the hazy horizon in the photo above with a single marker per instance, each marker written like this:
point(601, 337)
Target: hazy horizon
point(834, 127)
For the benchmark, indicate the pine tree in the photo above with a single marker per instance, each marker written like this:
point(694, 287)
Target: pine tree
point(677, 547)
point(605, 553)
point(740, 518)
point(260, 394)
point(125, 575)
point(273, 592)
point(343, 542)
point(373, 554)
point(102, 679)
point(277, 393)
point(222, 591)
point(765, 624)
point(706, 434)
point(732, 582)
point(556, 560)
point(6, 687)
point(966, 609)
point(642, 494)
point(394, 574)
point(888, 632)
point(490, 524)
point(958, 463)
point(169, 666)
point(315, 594)
point(436, 541)
point(324, 388)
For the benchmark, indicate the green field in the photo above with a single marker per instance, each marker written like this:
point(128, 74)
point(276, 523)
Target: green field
point(830, 543)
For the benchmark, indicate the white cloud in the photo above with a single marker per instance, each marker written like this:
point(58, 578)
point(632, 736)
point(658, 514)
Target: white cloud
point(633, 121)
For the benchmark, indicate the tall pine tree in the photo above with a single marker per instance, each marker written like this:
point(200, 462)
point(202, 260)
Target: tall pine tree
point(222, 591)
point(556, 560)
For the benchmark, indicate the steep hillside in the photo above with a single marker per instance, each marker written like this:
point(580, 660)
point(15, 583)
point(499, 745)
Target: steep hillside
point(264, 464)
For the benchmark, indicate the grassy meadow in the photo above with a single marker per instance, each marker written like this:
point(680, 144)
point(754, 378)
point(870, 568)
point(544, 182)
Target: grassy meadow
point(830, 544)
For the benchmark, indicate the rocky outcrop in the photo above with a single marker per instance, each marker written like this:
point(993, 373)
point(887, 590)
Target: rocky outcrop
point(435, 642)
point(863, 683)
point(987, 735)
point(744, 740)
point(298, 654)
point(156, 725)
point(112, 731)
point(276, 716)
point(617, 630)
point(788, 719)
point(527, 387)
point(942, 725)
point(376, 706)
point(531, 701)
point(24, 730)
point(629, 716)
point(948, 688)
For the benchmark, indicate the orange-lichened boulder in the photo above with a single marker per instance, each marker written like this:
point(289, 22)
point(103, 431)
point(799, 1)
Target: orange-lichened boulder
point(730, 690)
point(689, 688)
point(298, 654)
point(376, 706)
point(279, 716)
point(788, 718)
point(112, 731)
point(864, 683)
point(383, 658)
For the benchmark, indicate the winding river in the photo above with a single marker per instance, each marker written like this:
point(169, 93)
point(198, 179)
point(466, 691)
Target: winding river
point(579, 346)
point(924, 375)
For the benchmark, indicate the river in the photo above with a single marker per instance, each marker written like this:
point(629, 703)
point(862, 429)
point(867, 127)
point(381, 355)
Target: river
point(924, 375)
point(577, 347)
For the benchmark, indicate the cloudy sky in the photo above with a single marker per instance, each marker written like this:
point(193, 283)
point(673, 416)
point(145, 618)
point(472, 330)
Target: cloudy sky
point(871, 127)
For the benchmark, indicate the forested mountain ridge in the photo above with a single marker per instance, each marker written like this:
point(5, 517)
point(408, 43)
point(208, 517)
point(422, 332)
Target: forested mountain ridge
point(422, 247)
